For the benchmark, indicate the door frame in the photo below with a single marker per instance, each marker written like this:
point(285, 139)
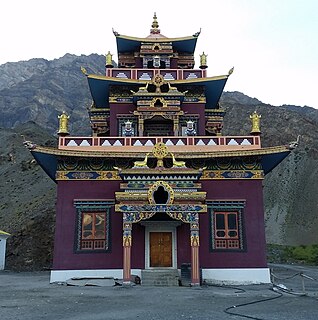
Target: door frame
point(161, 226)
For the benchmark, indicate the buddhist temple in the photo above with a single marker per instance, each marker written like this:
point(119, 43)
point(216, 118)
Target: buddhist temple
point(157, 187)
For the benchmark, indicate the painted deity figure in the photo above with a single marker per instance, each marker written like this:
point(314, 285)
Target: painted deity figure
point(128, 130)
point(190, 131)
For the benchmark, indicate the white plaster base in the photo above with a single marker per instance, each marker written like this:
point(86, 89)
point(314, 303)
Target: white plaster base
point(236, 276)
point(215, 276)
point(63, 275)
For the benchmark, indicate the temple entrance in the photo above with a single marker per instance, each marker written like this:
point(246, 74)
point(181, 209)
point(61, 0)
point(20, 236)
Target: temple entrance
point(158, 126)
point(160, 244)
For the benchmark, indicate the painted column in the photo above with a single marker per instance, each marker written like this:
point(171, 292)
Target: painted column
point(141, 126)
point(127, 241)
point(176, 125)
point(195, 242)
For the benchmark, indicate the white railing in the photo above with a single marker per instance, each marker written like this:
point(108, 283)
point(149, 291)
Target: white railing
point(148, 74)
point(176, 143)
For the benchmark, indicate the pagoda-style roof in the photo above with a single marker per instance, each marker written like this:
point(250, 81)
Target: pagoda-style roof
point(99, 87)
point(132, 44)
point(48, 157)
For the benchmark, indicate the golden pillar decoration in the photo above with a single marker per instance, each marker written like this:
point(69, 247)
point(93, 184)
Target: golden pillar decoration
point(195, 243)
point(109, 60)
point(127, 242)
point(203, 61)
point(255, 118)
point(63, 125)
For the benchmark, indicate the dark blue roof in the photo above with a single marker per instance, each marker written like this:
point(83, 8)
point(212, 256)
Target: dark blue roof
point(47, 161)
point(99, 87)
point(131, 44)
point(270, 161)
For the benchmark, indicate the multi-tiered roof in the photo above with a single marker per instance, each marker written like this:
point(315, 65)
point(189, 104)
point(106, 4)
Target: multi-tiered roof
point(155, 74)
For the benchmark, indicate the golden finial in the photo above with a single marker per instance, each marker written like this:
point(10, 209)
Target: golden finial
point(155, 25)
point(84, 71)
point(231, 71)
point(203, 61)
point(63, 126)
point(255, 118)
point(109, 60)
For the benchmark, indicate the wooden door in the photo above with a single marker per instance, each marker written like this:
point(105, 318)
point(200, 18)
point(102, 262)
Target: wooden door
point(160, 249)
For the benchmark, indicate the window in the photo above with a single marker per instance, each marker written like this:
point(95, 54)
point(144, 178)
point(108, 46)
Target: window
point(226, 230)
point(93, 227)
point(226, 225)
point(93, 231)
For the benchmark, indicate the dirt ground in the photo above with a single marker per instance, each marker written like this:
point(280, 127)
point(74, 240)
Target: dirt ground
point(30, 296)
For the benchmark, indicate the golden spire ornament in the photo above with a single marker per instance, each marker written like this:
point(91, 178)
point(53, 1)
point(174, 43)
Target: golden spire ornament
point(63, 125)
point(203, 61)
point(255, 118)
point(109, 60)
point(155, 25)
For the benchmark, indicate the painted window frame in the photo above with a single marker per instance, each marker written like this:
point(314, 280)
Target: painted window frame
point(93, 207)
point(236, 243)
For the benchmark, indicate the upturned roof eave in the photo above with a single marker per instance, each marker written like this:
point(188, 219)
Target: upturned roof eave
point(136, 81)
point(130, 44)
point(181, 154)
point(156, 39)
point(48, 157)
point(99, 87)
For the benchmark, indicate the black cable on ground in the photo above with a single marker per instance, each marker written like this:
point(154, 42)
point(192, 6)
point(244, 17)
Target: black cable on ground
point(227, 310)
point(238, 290)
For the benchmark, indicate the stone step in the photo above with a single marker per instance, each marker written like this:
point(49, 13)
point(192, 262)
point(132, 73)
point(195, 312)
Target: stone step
point(160, 277)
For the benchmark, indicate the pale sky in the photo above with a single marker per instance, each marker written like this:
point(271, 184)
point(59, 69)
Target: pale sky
point(272, 44)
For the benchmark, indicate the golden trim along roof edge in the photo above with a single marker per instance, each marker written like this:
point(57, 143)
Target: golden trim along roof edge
point(101, 77)
point(183, 154)
point(4, 233)
point(150, 39)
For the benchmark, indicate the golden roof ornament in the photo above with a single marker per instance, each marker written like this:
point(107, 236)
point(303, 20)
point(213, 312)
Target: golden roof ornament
point(203, 61)
point(155, 25)
point(83, 70)
point(63, 125)
point(255, 118)
point(231, 71)
point(109, 60)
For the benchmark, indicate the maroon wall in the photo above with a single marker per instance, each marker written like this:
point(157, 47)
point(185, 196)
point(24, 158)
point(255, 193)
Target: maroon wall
point(64, 253)
point(115, 109)
point(183, 244)
point(253, 219)
point(253, 225)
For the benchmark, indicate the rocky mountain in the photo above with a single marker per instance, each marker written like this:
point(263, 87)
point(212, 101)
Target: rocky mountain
point(34, 92)
point(38, 90)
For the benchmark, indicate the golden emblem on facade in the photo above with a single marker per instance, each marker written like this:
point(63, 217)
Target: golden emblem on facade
point(160, 151)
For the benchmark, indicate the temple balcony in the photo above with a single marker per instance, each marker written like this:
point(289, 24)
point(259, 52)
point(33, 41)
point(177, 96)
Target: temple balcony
point(148, 74)
point(146, 144)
